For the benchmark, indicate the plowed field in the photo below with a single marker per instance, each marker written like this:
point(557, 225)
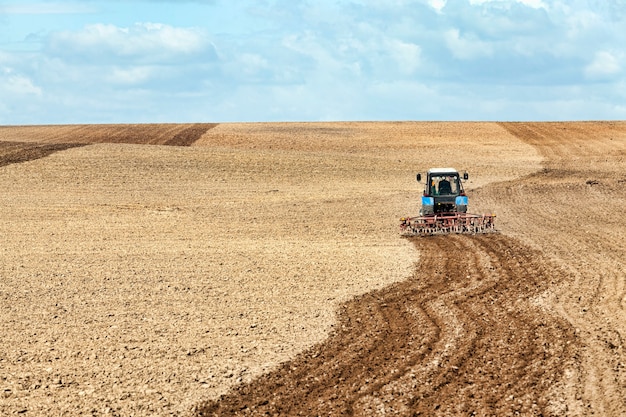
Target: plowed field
point(149, 134)
point(259, 271)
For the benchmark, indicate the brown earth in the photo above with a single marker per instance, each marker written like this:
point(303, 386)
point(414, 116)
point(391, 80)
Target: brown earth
point(452, 340)
point(487, 325)
point(151, 280)
point(147, 134)
point(16, 152)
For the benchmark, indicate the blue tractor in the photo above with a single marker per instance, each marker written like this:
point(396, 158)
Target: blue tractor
point(444, 207)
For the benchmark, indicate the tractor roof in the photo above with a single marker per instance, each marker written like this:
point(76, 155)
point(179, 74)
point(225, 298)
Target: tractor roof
point(443, 171)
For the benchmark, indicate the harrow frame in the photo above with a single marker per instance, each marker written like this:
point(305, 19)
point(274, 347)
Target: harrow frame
point(447, 223)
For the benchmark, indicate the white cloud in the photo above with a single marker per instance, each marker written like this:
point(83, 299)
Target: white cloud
point(144, 41)
point(45, 8)
point(131, 75)
point(324, 58)
point(407, 55)
point(605, 65)
point(253, 64)
point(285, 60)
point(466, 47)
point(438, 5)
point(535, 4)
point(17, 84)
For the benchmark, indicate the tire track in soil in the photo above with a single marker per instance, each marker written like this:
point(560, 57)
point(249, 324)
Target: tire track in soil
point(465, 335)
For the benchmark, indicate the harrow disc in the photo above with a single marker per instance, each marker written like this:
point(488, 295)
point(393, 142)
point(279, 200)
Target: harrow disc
point(441, 224)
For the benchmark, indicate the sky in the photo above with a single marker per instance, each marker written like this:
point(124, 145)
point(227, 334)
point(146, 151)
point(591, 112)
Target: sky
point(160, 61)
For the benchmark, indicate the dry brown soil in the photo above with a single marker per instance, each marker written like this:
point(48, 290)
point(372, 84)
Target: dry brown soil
point(260, 271)
point(149, 133)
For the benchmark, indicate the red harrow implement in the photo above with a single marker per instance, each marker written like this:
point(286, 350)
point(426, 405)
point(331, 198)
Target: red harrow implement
point(445, 223)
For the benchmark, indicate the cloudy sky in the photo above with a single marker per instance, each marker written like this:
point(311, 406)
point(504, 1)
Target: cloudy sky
point(136, 61)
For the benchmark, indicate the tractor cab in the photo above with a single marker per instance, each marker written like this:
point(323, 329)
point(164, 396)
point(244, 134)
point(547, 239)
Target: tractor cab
point(443, 191)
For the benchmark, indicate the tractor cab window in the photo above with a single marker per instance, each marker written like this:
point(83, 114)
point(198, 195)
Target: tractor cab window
point(444, 185)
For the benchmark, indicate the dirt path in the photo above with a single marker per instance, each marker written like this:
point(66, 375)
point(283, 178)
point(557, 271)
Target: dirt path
point(464, 336)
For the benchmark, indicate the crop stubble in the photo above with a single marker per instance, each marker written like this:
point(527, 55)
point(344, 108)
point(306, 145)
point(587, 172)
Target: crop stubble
point(265, 228)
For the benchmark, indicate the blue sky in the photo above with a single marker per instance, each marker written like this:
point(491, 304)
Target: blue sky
point(324, 60)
